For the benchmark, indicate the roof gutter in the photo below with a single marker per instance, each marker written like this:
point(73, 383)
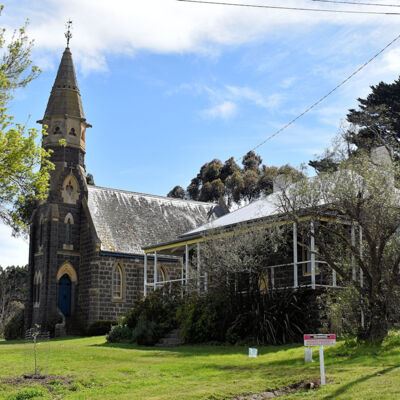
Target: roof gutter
point(138, 256)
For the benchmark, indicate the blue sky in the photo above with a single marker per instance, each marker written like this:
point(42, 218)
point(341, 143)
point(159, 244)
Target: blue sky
point(169, 86)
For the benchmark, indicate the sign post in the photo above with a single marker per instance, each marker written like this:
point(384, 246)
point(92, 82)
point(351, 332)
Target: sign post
point(322, 364)
point(320, 340)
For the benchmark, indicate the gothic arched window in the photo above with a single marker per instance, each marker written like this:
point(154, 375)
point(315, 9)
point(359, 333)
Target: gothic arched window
point(263, 281)
point(68, 228)
point(57, 131)
point(160, 274)
point(70, 190)
point(37, 281)
point(68, 232)
point(72, 132)
point(117, 277)
point(41, 232)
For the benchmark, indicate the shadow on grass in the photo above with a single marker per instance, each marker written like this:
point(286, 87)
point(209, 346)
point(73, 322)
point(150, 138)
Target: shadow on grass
point(23, 341)
point(67, 338)
point(349, 385)
point(200, 350)
point(267, 368)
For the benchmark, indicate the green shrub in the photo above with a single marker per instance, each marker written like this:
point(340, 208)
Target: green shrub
point(149, 319)
point(275, 317)
point(272, 317)
point(130, 318)
point(157, 307)
point(119, 333)
point(146, 332)
point(98, 328)
point(14, 328)
point(220, 316)
point(205, 318)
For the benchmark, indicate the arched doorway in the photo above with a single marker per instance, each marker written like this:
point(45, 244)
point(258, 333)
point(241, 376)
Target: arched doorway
point(64, 295)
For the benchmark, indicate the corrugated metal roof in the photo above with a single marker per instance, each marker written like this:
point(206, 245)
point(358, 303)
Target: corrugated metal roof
point(269, 205)
point(258, 209)
point(127, 221)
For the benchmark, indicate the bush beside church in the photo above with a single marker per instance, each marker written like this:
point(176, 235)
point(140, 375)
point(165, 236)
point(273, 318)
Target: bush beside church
point(277, 317)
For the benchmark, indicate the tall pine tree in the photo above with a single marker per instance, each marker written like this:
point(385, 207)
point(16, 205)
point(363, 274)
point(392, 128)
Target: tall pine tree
point(375, 122)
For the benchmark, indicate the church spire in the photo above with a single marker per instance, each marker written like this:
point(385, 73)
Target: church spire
point(65, 98)
point(64, 116)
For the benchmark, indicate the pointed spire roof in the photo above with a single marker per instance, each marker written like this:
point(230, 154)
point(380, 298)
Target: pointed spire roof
point(65, 98)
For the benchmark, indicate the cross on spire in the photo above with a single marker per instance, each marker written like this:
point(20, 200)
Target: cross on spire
point(68, 34)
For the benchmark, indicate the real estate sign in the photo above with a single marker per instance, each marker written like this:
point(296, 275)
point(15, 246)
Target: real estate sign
point(318, 339)
point(321, 340)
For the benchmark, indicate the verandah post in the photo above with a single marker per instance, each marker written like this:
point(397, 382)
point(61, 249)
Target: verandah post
point(155, 270)
point(361, 277)
point(361, 254)
point(145, 275)
point(295, 277)
point(273, 278)
point(186, 264)
point(312, 245)
point(182, 279)
point(353, 243)
point(334, 278)
point(198, 267)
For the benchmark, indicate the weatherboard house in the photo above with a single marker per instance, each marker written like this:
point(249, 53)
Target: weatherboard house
point(86, 257)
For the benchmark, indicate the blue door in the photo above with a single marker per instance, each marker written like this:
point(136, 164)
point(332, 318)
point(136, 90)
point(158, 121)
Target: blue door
point(64, 295)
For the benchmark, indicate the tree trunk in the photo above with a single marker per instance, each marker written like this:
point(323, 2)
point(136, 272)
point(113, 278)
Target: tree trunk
point(378, 321)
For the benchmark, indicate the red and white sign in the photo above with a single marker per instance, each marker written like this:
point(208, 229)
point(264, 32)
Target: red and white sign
point(319, 339)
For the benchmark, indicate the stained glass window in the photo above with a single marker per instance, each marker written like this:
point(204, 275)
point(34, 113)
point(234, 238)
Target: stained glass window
point(117, 282)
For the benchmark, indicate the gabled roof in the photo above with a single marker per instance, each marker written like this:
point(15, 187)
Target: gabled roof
point(65, 98)
point(127, 221)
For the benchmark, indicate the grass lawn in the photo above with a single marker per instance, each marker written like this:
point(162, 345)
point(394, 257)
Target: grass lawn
point(98, 370)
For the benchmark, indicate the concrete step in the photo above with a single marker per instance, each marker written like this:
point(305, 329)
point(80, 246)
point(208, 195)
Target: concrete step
point(60, 330)
point(172, 339)
point(170, 342)
point(173, 334)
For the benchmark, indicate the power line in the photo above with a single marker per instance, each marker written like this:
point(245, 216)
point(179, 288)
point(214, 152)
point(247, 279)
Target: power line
point(356, 3)
point(330, 92)
point(289, 8)
point(324, 97)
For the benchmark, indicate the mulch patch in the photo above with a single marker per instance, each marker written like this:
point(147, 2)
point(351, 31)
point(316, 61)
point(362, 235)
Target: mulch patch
point(312, 384)
point(43, 379)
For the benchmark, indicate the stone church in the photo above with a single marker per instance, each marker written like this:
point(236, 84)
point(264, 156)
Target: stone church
point(86, 261)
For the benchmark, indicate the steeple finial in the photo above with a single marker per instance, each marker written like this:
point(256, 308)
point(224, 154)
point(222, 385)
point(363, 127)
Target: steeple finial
point(68, 34)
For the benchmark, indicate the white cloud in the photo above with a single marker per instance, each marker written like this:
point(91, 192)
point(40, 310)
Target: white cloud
point(245, 93)
point(225, 110)
point(274, 101)
point(226, 99)
point(102, 27)
point(13, 251)
point(288, 82)
point(391, 61)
